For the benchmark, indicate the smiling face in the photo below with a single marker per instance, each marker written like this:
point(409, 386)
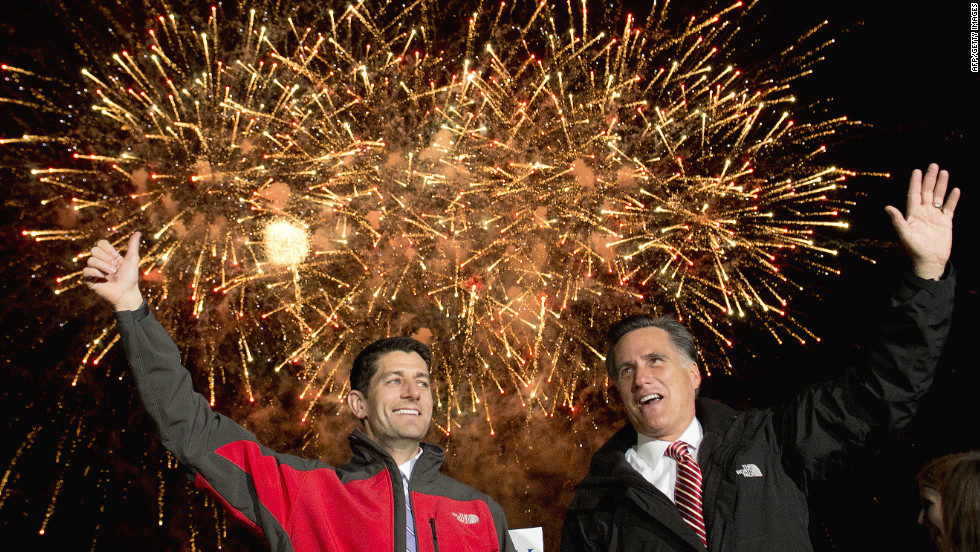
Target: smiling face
point(656, 382)
point(397, 407)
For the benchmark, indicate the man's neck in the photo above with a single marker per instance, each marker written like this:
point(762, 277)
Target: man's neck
point(692, 435)
point(401, 452)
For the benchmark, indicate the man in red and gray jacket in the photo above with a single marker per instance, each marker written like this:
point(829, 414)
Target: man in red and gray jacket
point(390, 496)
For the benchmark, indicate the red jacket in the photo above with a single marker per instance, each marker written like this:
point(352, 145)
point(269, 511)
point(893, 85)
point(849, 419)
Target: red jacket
point(300, 504)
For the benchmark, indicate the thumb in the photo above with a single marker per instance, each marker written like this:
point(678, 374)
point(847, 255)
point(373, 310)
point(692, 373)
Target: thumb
point(133, 247)
point(898, 220)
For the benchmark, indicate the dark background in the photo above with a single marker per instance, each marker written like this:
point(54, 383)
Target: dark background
point(902, 68)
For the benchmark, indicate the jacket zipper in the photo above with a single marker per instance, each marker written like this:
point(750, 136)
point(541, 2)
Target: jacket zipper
point(435, 539)
point(407, 503)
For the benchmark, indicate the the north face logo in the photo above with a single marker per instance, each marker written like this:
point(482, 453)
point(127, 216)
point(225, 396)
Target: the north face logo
point(749, 470)
point(468, 519)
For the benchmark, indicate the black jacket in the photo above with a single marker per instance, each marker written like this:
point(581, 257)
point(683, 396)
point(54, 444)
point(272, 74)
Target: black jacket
point(758, 465)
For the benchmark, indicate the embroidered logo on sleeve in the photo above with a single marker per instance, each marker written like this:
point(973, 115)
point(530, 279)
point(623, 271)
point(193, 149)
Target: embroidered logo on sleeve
point(468, 519)
point(749, 470)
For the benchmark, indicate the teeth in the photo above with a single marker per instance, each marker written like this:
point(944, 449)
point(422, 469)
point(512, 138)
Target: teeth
point(652, 396)
point(407, 411)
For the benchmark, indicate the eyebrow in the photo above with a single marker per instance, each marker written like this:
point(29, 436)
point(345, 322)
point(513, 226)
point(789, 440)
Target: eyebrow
point(646, 358)
point(401, 373)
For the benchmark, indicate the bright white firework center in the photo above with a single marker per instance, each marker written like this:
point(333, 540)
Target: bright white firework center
point(286, 243)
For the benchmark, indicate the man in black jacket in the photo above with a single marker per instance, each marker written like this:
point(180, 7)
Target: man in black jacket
point(744, 484)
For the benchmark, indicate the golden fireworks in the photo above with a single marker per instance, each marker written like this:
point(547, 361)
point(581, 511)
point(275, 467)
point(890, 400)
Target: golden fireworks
point(501, 192)
point(494, 199)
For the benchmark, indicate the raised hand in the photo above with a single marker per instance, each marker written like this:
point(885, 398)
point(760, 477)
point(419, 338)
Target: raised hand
point(113, 277)
point(926, 230)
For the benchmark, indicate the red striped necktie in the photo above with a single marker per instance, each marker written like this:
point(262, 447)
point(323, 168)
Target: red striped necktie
point(687, 491)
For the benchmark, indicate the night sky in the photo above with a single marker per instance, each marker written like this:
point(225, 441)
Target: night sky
point(905, 71)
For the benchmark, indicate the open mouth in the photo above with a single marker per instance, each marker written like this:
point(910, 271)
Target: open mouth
point(408, 411)
point(649, 399)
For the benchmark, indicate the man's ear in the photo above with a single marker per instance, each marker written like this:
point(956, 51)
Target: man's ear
point(695, 374)
point(357, 403)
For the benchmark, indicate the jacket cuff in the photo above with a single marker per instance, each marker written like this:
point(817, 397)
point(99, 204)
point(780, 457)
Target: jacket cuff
point(134, 315)
point(912, 283)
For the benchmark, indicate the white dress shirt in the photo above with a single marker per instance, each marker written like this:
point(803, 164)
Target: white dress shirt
point(407, 468)
point(647, 457)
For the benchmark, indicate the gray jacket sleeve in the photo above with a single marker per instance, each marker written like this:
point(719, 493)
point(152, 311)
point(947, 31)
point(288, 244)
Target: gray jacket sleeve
point(184, 419)
point(195, 434)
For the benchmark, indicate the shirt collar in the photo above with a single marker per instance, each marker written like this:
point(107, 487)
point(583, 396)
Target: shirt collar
point(652, 450)
point(407, 467)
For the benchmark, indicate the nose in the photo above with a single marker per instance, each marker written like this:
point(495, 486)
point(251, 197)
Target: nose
point(922, 517)
point(411, 391)
point(642, 375)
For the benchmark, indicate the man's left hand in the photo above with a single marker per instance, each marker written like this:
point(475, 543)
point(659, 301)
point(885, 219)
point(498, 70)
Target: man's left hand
point(926, 230)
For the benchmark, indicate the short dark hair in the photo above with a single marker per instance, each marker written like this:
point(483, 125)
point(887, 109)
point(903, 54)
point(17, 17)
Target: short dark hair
point(679, 335)
point(366, 362)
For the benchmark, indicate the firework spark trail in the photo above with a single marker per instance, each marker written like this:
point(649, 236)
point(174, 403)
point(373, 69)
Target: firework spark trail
point(683, 180)
point(471, 191)
point(213, 153)
point(478, 196)
point(500, 193)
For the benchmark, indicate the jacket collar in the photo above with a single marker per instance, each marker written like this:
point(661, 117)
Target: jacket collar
point(609, 464)
point(368, 451)
point(713, 415)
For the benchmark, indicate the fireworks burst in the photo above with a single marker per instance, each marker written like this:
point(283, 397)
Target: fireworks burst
point(500, 192)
